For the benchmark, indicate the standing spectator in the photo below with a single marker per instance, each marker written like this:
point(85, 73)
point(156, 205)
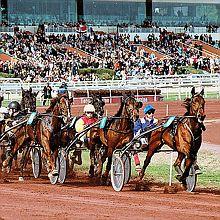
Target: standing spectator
point(47, 93)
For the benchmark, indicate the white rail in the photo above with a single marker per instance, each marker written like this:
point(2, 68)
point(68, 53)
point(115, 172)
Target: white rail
point(167, 84)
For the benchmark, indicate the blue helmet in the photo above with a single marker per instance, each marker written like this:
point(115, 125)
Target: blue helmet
point(148, 108)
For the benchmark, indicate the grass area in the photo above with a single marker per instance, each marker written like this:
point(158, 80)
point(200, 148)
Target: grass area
point(158, 169)
point(175, 96)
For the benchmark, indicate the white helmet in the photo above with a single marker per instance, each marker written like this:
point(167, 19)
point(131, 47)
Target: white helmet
point(89, 108)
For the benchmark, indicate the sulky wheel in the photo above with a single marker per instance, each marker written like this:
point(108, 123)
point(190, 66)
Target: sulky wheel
point(127, 166)
point(117, 173)
point(63, 166)
point(191, 180)
point(36, 161)
point(54, 179)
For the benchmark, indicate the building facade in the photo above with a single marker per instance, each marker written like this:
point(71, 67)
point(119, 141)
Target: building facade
point(106, 12)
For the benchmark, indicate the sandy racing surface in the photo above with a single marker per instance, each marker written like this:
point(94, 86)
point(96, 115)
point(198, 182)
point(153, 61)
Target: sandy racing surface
point(80, 198)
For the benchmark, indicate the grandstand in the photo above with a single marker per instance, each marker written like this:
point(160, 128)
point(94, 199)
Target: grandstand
point(132, 54)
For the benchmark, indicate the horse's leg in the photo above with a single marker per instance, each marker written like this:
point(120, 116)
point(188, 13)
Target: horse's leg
point(188, 163)
point(101, 161)
point(92, 163)
point(107, 170)
point(23, 163)
point(177, 164)
point(151, 151)
point(16, 161)
point(55, 155)
point(47, 152)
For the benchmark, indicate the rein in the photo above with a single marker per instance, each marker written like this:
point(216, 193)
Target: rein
point(120, 132)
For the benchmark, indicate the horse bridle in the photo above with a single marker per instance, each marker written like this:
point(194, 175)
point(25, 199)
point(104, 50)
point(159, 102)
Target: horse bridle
point(64, 117)
point(130, 110)
point(196, 113)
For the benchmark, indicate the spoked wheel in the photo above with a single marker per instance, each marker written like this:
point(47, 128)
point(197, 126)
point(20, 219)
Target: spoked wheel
point(117, 173)
point(191, 179)
point(54, 179)
point(63, 166)
point(127, 166)
point(36, 162)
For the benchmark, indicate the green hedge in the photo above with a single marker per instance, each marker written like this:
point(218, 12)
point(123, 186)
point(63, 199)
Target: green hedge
point(6, 75)
point(103, 74)
point(188, 70)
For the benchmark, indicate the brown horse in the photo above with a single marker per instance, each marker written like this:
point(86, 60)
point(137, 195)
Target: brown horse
point(184, 136)
point(44, 131)
point(117, 133)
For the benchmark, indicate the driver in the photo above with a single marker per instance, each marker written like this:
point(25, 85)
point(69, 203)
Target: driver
point(141, 125)
point(86, 119)
point(14, 110)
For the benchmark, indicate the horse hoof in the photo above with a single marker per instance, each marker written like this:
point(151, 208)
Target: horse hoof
point(55, 173)
point(103, 181)
point(6, 181)
point(91, 175)
point(178, 177)
point(50, 175)
point(21, 178)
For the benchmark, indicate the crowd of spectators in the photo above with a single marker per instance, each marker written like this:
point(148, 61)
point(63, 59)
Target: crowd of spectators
point(42, 57)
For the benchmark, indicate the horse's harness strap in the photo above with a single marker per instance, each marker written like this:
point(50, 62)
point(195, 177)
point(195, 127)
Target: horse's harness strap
point(190, 131)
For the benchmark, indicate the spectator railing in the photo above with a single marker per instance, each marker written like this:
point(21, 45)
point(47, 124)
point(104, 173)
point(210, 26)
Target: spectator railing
point(135, 83)
point(6, 29)
point(173, 29)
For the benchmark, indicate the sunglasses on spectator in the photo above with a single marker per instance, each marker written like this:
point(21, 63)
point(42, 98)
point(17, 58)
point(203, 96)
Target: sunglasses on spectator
point(89, 112)
point(150, 112)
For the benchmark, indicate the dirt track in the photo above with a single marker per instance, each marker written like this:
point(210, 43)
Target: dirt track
point(81, 199)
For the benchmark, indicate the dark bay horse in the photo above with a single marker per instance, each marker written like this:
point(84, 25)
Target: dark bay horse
point(117, 133)
point(1, 100)
point(44, 131)
point(98, 103)
point(28, 100)
point(69, 132)
point(184, 135)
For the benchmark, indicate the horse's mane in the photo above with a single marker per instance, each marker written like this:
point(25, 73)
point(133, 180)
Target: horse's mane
point(187, 103)
point(118, 114)
point(54, 101)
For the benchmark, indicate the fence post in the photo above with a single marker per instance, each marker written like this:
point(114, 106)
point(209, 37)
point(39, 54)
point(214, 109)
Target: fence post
point(167, 110)
point(171, 168)
point(155, 94)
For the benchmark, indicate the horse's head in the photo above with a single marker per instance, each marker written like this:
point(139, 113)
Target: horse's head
point(99, 104)
point(196, 105)
point(29, 99)
point(62, 107)
point(132, 107)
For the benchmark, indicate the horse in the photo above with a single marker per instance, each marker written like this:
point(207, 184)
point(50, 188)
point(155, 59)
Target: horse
point(44, 131)
point(28, 100)
point(117, 133)
point(1, 100)
point(184, 136)
point(98, 103)
point(28, 105)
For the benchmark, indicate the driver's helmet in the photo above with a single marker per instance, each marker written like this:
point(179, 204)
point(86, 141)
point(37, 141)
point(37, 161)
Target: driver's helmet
point(89, 108)
point(63, 85)
point(149, 108)
point(15, 106)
